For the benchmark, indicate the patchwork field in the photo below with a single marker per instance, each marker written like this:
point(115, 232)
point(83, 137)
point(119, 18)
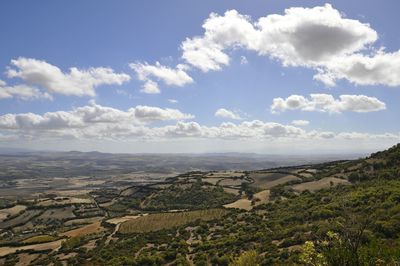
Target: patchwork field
point(37, 247)
point(82, 221)
point(159, 221)
point(73, 207)
point(40, 239)
point(119, 220)
point(8, 212)
point(246, 204)
point(231, 190)
point(225, 174)
point(231, 182)
point(58, 214)
point(269, 180)
point(20, 219)
point(212, 180)
point(65, 201)
point(85, 230)
point(320, 184)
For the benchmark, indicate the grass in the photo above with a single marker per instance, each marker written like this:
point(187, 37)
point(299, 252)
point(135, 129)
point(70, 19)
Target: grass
point(159, 221)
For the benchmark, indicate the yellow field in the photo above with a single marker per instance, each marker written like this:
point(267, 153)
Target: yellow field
point(119, 220)
point(85, 230)
point(231, 190)
point(11, 211)
point(245, 204)
point(55, 245)
point(159, 221)
point(64, 201)
point(320, 184)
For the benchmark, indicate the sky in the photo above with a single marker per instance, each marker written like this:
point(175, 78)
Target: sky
point(273, 77)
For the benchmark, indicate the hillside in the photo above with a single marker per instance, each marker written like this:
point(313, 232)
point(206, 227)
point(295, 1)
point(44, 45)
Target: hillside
point(337, 213)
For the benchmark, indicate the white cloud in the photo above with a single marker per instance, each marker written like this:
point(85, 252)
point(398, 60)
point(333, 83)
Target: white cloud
point(146, 113)
point(224, 113)
point(94, 122)
point(76, 82)
point(171, 77)
point(172, 101)
point(327, 103)
point(300, 123)
point(150, 87)
point(22, 92)
point(378, 69)
point(312, 36)
point(206, 52)
point(90, 116)
point(320, 38)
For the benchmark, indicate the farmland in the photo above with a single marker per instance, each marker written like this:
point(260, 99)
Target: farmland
point(159, 221)
point(64, 217)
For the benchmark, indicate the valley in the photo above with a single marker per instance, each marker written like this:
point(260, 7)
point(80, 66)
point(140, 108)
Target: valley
point(68, 217)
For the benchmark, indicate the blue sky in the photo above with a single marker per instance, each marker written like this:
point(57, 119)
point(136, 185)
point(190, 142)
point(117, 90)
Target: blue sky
point(43, 109)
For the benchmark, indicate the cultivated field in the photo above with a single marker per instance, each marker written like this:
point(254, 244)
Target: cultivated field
point(231, 182)
point(20, 219)
point(37, 247)
point(4, 213)
point(231, 190)
point(39, 239)
point(269, 180)
point(65, 201)
point(85, 230)
point(320, 184)
point(122, 219)
point(159, 221)
point(212, 180)
point(82, 221)
point(57, 214)
point(246, 204)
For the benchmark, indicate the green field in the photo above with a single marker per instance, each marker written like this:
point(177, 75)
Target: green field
point(159, 221)
point(40, 239)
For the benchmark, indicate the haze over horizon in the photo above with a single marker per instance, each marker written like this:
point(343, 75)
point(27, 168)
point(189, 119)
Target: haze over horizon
point(287, 77)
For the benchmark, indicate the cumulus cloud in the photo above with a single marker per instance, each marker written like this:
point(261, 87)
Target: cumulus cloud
point(171, 77)
point(207, 52)
point(327, 103)
point(88, 116)
point(300, 122)
point(77, 82)
point(224, 113)
point(320, 38)
point(310, 36)
point(22, 92)
point(379, 68)
point(96, 122)
point(150, 87)
point(149, 113)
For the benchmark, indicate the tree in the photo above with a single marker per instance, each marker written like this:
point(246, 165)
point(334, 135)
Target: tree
point(248, 258)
